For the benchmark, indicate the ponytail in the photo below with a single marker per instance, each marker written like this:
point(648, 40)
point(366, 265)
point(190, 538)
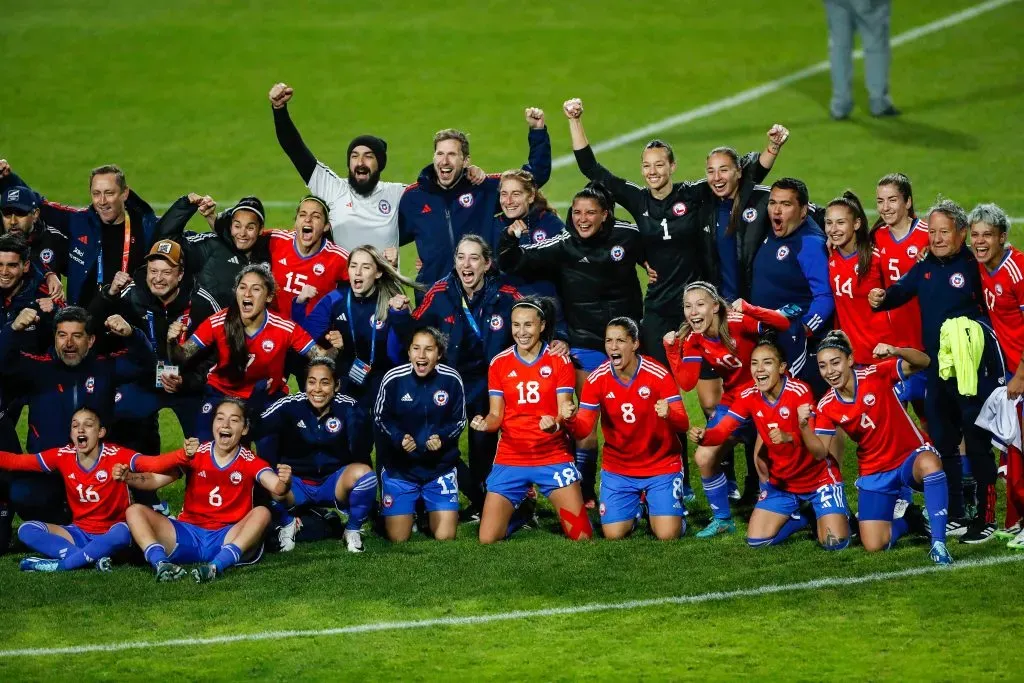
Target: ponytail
point(234, 329)
point(861, 236)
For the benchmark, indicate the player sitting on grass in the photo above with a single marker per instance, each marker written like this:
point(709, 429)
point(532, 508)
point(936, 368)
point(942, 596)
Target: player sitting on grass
point(793, 473)
point(891, 450)
point(218, 525)
point(97, 498)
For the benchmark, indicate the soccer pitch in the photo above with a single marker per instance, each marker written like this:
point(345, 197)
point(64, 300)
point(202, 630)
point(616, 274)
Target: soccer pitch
point(177, 96)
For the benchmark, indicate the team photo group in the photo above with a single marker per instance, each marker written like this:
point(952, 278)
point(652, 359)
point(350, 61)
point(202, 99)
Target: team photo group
point(322, 392)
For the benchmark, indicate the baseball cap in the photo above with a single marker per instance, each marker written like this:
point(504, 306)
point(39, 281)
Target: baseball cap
point(167, 250)
point(250, 204)
point(19, 197)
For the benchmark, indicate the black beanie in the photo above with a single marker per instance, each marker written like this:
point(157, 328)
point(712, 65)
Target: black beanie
point(376, 144)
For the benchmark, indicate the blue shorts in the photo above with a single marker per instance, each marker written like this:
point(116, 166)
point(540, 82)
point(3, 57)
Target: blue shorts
point(620, 496)
point(827, 500)
point(513, 481)
point(195, 544)
point(80, 538)
point(313, 493)
point(913, 388)
point(877, 493)
point(587, 359)
point(399, 495)
point(745, 432)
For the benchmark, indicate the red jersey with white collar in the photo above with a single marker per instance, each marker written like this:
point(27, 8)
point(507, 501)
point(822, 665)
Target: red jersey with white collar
point(268, 349)
point(530, 390)
point(875, 418)
point(865, 326)
point(215, 496)
point(323, 269)
point(897, 257)
point(1004, 297)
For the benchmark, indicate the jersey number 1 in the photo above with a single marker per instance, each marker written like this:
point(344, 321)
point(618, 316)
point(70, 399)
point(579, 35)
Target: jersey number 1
point(664, 227)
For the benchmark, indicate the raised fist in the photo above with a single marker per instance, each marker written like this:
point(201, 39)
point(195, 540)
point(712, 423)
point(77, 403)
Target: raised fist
point(398, 302)
point(191, 447)
point(777, 136)
point(280, 94)
point(573, 108)
point(335, 339)
point(26, 319)
point(120, 281)
point(535, 117)
point(118, 325)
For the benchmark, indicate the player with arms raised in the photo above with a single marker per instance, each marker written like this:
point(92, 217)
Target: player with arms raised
point(724, 338)
point(793, 474)
point(641, 414)
point(529, 386)
point(218, 524)
point(891, 450)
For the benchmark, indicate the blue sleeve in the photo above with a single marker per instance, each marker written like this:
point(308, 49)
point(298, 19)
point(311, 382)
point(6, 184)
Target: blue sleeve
point(406, 228)
point(401, 327)
point(904, 289)
point(319, 319)
point(539, 163)
point(396, 350)
point(454, 421)
point(384, 416)
point(139, 359)
point(813, 261)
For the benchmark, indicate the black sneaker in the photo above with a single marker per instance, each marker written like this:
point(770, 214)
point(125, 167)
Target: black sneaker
point(917, 525)
point(955, 528)
point(979, 532)
point(887, 112)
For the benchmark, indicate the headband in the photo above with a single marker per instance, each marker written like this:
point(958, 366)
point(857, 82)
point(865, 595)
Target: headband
point(834, 341)
point(321, 202)
point(700, 284)
point(540, 311)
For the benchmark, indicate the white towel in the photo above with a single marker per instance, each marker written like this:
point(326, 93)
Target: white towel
point(999, 417)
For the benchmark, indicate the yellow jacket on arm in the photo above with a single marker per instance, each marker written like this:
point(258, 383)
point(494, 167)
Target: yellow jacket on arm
point(961, 345)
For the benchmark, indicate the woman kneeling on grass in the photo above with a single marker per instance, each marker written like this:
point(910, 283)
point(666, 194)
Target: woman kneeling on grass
point(419, 416)
point(218, 525)
point(529, 387)
point(641, 413)
point(891, 450)
point(794, 475)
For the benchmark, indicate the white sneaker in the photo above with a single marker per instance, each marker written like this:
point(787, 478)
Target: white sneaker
point(286, 535)
point(354, 541)
point(901, 508)
point(1018, 542)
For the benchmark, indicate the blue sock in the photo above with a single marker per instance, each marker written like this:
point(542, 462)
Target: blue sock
point(900, 527)
point(104, 545)
point(360, 501)
point(936, 502)
point(282, 512)
point(789, 528)
point(965, 466)
point(229, 554)
point(586, 463)
point(758, 542)
point(717, 490)
point(155, 554)
point(36, 536)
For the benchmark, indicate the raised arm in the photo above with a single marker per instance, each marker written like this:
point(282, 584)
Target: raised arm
point(767, 316)
point(539, 161)
point(288, 135)
point(777, 136)
point(624, 192)
point(910, 360)
point(21, 462)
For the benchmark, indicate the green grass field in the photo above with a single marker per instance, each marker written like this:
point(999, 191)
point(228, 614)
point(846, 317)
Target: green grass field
point(177, 96)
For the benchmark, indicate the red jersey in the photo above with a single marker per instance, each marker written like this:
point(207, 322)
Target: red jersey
point(732, 367)
point(530, 390)
point(791, 467)
point(865, 326)
point(637, 443)
point(215, 496)
point(875, 418)
point(897, 257)
point(323, 269)
point(1004, 297)
point(267, 351)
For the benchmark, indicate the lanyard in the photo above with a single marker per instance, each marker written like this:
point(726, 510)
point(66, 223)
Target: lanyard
point(125, 253)
point(470, 318)
point(352, 328)
point(152, 328)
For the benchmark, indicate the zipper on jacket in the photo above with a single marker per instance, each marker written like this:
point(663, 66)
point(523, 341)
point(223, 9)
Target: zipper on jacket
point(451, 232)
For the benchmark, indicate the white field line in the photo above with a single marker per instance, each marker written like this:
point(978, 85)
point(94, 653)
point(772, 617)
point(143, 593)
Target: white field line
point(717, 596)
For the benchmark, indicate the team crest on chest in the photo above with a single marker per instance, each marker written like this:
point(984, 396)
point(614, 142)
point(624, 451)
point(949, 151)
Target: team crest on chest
point(617, 253)
point(999, 290)
point(441, 397)
point(539, 235)
point(267, 345)
point(377, 324)
point(869, 399)
point(333, 425)
point(207, 407)
point(318, 269)
point(46, 255)
point(466, 200)
point(782, 253)
point(236, 478)
point(101, 476)
point(496, 322)
point(784, 412)
point(912, 251)
point(545, 371)
point(645, 392)
point(750, 215)
point(90, 385)
point(384, 206)
point(957, 280)
point(679, 209)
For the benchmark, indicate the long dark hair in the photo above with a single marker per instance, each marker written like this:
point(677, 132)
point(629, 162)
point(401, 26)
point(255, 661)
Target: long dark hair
point(544, 307)
point(902, 183)
point(860, 235)
point(234, 329)
point(734, 214)
point(600, 194)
